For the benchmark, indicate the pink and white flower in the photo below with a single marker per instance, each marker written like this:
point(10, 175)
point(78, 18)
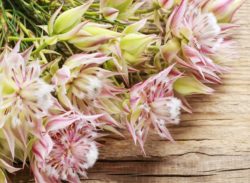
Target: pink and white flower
point(25, 98)
point(24, 95)
point(152, 103)
point(202, 37)
point(83, 84)
point(67, 150)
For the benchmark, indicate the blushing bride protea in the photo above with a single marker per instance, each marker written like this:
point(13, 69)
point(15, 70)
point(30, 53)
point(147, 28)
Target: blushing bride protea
point(153, 104)
point(86, 86)
point(67, 150)
point(81, 77)
point(24, 97)
point(201, 38)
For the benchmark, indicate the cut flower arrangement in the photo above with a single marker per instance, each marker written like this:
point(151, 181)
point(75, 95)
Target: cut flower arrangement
point(73, 72)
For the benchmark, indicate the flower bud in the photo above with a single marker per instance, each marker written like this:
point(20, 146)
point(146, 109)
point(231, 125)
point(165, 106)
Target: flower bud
point(190, 85)
point(67, 20)
point(170, 49)
point(92, 36)
point(110, 13)
point(135, 44)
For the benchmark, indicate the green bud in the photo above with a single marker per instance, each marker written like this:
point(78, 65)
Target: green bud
point(136, 44)
point(170, 49)
point(70, 18)
point(190, 85)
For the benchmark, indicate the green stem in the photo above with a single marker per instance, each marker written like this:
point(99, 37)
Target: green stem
point(154, 48)
point(67, 46)
point(42, 46)
point(89, 13)
point(146, 11)
point(95, 5)
point(72, 2)
point(102, 20)
point(14, 38)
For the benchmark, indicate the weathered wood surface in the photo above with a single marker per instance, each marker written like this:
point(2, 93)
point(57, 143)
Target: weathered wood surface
point(212, 144)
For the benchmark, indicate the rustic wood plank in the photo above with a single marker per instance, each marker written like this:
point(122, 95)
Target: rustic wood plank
point(212, 144)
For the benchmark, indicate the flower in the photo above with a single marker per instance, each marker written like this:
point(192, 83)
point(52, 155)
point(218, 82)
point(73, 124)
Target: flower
point(67, 150)
point(24, 95)
point(201, 39)
point(83, 84)
point(25, 98)
point(200, 29)
point(81, 76)
point(152, 103)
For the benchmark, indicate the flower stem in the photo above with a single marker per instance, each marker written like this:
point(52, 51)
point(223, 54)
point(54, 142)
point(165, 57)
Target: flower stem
point(14, 38)
point(42, 46)
point(95, 5)
point(102, 20)
point(90, 13)
point(154, 48)
point(146, 11)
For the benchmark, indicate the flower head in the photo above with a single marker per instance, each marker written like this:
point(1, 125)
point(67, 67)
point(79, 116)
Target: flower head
point(153, 104)
point(67, 150)
point(200, 28)
point(83, 84)
point(25, 97)
point(81, 75)
point(201, 39)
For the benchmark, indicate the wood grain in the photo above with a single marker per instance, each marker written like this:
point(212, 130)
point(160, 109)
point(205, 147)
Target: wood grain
point(212, 144)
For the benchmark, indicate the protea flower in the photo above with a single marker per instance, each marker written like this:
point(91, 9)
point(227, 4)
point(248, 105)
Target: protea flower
point(25, 98)
point(65, 153)
point(81, 75)
point(152, 103)
point(83, 84)
point(201, 39)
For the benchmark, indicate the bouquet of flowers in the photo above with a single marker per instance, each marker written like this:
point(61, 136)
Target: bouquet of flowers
point(75, 71)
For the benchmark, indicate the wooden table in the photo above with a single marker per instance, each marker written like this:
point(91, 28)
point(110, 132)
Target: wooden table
point(212, 144)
